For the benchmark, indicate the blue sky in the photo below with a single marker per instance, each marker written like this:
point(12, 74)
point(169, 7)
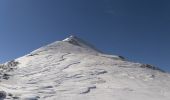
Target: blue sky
point(136, 29)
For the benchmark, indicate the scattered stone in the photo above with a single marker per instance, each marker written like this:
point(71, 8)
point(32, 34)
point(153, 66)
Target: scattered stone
point(151, 67)
point(15, 98)
point(10, 94)
point(123, 58)
point(6, 76)
point(33, 54)
point(9, 66)
point(12, 63)
point(2, 95)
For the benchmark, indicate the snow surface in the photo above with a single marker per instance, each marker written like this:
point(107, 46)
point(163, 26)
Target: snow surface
point(74, 70)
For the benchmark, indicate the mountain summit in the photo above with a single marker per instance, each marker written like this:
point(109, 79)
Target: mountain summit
point(71, 44)
point(72, 69)
point(79, 42)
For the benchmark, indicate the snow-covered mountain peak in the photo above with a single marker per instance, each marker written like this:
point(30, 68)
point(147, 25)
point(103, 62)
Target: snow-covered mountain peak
point(70, 38)
point(71, 44)
point(77, 41)
point(74, 40)
point(72, 69)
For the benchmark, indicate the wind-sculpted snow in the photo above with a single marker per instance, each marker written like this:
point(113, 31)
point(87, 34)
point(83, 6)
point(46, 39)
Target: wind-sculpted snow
point(65, 71)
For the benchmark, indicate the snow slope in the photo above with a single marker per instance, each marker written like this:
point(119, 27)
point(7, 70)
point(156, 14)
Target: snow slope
point(74, 70)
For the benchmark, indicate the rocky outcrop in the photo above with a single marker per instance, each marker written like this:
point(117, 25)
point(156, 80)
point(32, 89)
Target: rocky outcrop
point(2, 95)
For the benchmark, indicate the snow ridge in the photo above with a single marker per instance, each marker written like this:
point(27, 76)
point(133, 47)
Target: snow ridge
point(72, 69)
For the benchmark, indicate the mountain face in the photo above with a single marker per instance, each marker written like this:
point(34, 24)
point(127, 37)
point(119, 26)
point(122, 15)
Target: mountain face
point(75, 70)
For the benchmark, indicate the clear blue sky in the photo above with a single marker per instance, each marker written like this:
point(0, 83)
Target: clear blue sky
point(136, 29)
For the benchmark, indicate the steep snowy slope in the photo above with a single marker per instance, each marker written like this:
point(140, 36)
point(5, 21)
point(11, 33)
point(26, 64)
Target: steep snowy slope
point(74, 70)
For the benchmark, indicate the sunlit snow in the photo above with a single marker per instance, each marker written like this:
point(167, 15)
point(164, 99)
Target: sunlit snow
point(74, 70)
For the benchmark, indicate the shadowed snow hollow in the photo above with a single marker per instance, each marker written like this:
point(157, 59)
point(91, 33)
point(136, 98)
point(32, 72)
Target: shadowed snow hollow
point(74, 70)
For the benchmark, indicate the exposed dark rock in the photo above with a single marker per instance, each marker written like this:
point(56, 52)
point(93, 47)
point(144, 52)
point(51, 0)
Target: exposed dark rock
point(2, 95)
point(10, 94)
point(123, 58)
point(74, 42)
point(151, 67)
point(12, 63)
point(5, 76)
point(15, 98)
point(7, 67)
point(33, 54)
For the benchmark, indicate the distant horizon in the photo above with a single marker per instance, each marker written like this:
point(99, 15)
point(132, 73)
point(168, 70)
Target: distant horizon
point(136, 29)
